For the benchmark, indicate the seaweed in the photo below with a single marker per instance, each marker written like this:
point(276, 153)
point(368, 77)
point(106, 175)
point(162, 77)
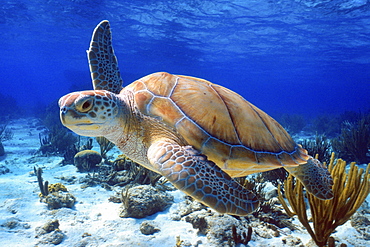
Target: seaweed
point(105, 146)
point(326, 124)
point(50, 116)
point(87, 146)
point(350, 190)
point(267, 211)
point(125, 196)
point(351, 116)
point(138, 173)
point(242, 238)
point(276, 176)
point(72, 150)
point(255, 184)
point(146, 176)
point(57, 141)
point(69, 154)
point(62, 142)
point(330, 125)
point(320, 146)
point(354, 141)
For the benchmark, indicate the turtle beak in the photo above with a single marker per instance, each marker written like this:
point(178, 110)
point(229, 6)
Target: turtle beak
point(70, 117)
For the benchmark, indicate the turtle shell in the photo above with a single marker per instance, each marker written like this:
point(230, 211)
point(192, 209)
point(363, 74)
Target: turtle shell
point(236, 135)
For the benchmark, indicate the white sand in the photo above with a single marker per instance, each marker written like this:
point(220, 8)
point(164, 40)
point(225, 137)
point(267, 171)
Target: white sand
point(93, 213)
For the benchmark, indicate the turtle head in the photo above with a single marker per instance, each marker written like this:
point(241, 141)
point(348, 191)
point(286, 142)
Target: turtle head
point(90, 113)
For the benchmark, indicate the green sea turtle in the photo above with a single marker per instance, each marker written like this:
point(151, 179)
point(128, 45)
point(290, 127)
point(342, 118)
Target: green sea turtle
point(195, 133)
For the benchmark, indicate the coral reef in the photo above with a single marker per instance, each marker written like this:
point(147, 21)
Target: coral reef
point(276, 176)
point(267, 210)
point(87, 146)
point(54, 195)
point(59, 199)
point(242, 238)
point(148, 228)
point(144, 200)
point(14, 223)
point(57, 187)
point(49, 233)
point(226, 230)
point(216, 227)
point(48, 227)
point(105, 146)
point(140, 174)
point(87, 160)
point(69, 155)
point(72, 150)
point(350, 191)
point(122, 163)
point(57, 141)
point(360, 221)
point(122, 172)
point(354, 141)
point(319, 146)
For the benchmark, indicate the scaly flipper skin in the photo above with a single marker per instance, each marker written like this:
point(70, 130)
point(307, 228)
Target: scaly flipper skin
point(200, 178)
point(315, 178)
point(103, 63)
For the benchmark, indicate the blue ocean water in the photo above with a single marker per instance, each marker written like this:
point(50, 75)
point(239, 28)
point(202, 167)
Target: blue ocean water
point(307, 57)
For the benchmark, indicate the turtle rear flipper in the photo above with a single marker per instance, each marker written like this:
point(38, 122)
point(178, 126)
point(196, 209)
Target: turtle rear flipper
point(315, 178)
point(201, 179)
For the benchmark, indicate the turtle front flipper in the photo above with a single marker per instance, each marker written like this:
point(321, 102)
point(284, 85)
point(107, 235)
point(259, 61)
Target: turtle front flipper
point(315, 177)
point(103, 63)
point(201, 179)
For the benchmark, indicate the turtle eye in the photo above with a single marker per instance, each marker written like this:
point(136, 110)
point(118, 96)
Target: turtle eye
point(85, 105)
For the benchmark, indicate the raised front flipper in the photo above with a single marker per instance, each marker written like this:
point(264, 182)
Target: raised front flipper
point(103, 63)
point(201, 179)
